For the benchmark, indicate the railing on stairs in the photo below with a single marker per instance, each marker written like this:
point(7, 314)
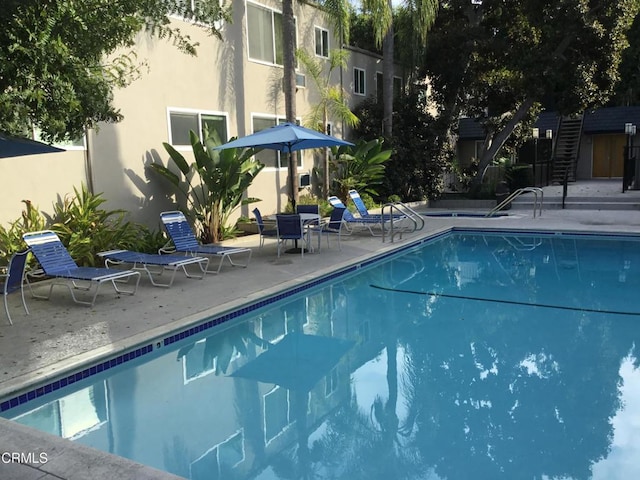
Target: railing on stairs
point(537, 205)
point(402, 218)
point(567, 148)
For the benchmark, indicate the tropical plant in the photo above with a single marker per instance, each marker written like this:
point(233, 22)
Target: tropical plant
point(86, 229)
point(11, 238)
point(360, 167)
point(333, 100)
point(214, 185)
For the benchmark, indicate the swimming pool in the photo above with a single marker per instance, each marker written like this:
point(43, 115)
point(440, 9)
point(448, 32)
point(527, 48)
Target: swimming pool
point(475, 355)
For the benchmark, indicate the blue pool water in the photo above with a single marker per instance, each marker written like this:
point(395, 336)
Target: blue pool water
point(484, 356)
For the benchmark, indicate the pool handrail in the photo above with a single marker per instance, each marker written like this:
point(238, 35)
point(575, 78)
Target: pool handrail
point(536, 206)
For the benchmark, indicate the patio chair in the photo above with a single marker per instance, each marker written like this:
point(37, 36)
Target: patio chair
point(315, 209)
point(154, 265)
point(14, 280)
point(185, 241)
point(264, 232)
point(56, 262)
point(290, 227)
point(333, 227)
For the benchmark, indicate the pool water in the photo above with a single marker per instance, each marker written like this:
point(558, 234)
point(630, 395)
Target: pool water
point(484, 356)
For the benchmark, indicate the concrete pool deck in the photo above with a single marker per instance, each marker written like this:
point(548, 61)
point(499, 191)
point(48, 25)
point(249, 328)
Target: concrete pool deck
point(59, 336)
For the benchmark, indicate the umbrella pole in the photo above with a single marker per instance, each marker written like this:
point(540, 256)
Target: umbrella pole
point(293, 179)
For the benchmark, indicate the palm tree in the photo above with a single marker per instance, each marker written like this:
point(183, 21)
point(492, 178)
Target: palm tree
point(289, 85)
point(424, 11)
point(333, 100)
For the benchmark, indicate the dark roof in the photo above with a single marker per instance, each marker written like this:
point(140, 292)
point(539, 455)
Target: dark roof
point(470, 129)
point(610, 120)
point(602, 120)
point(547, 121)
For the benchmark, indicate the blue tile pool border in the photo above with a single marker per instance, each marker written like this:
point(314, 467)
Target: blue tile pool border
point(148, 347)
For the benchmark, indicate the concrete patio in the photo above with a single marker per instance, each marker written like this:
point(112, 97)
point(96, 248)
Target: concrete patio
point(59, 336)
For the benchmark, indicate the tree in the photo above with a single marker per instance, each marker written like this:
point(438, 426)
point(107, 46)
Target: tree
point(424, 11)
point(518, 55)
point(333, 100)
point(289, 85)
point(214, 185)
point(60, 60)
point(628, 90)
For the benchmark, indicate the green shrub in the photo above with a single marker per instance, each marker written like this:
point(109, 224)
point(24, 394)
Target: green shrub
point(31, 220)
point(86, 229)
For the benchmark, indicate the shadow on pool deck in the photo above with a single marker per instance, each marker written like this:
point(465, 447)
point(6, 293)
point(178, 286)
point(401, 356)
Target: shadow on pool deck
point(60, 336)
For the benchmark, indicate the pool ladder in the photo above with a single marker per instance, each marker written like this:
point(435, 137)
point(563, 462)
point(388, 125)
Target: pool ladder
point(537, 205)
point(410, 221)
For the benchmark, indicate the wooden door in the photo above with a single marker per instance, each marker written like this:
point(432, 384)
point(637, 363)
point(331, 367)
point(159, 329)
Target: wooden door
point(608, 155)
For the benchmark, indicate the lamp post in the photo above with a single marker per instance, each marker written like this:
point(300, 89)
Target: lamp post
point(535, 133)
point(549, 136)
point(630, 170)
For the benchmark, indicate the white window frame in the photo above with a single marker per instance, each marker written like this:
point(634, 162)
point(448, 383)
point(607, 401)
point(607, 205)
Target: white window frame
point(273, 41)
point(199, 113)
point(279, 119)
point(324, 42)
point(356, 81)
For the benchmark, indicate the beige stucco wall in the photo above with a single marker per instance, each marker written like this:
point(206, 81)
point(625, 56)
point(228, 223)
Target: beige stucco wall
point(40, 179)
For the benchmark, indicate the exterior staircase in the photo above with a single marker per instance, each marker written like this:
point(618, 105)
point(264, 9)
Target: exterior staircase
point(566, 149)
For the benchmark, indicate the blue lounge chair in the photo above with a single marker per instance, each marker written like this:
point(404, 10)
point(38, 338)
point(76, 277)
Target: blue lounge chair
point(333, 227)
point(56, 262)
point(290, 227)
point(264, 232)
point(351, 221)
point(155, 264)
point(14, 280)
point(364, 212)
point(185, 241)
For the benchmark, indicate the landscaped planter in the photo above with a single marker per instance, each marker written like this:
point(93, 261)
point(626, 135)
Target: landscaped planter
point(248, 227)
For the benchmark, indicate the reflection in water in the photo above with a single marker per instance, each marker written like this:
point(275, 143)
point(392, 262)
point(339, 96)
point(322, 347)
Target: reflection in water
point(354, 382)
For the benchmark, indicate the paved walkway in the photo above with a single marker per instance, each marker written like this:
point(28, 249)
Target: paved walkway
point(60, 336)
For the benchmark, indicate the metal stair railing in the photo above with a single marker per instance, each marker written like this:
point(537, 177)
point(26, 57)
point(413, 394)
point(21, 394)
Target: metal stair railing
point(416, 221)
point(537, 206)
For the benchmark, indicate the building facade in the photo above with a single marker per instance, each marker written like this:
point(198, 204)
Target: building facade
point(233, 85)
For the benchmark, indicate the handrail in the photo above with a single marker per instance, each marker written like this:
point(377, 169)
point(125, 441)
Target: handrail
point(407, 213)
point(517, 193)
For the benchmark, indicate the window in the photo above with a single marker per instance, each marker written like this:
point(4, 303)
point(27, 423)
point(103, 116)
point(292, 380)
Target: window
point(358, 81)
point(322, 42)
point(271, 158)
point(203, 123)
point(264, 29)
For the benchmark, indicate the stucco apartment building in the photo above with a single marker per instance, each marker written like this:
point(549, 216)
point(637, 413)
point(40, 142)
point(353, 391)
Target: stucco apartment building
point(234, 85)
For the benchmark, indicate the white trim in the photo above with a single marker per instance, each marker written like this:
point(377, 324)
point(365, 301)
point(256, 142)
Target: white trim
point(315, 45)
point(273, 42)
point(199, 113)
point(364, 75)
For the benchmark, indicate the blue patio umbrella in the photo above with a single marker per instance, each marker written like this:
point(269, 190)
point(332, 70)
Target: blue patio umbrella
point(15, 146)
point(286, 138)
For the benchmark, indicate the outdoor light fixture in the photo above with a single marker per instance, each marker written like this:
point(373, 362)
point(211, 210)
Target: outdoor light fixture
point(535, 133)
point(629, 129)
point(549, 134)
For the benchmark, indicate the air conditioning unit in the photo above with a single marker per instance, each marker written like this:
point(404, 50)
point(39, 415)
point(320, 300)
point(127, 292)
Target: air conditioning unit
point(304, 180)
